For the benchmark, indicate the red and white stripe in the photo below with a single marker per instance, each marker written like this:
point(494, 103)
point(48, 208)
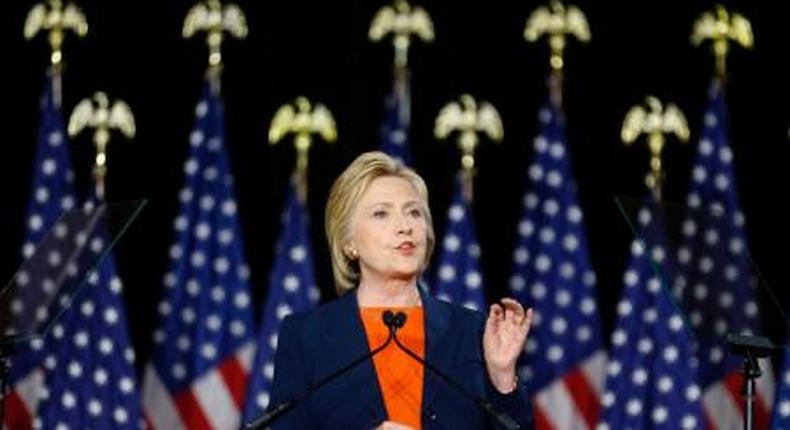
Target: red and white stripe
point(572, 402)
point(22, 401)
point(724, 402)
point(215, 400)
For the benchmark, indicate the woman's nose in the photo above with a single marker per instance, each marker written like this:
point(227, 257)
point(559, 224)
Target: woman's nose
point(404, 225)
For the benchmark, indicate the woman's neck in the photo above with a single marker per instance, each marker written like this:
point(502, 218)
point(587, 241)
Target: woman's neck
point(392, 293)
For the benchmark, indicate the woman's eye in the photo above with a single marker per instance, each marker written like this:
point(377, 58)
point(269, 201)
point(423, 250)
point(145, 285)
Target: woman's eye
point(416, 213)
point(379, 214)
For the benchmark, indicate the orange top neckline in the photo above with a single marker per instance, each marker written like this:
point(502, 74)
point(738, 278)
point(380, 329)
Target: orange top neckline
point(400, 377)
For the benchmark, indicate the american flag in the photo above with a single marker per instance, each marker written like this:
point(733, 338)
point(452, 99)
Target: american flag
point(53, 193)
point(458, 278)
point(292, 289)
point(552, 273)
point(651, 375)
point(81, 373)
point(397, 112)
point(715, 277)
point(203, 345)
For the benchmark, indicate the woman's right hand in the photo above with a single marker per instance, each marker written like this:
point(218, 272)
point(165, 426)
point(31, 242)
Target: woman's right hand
point(392, 425)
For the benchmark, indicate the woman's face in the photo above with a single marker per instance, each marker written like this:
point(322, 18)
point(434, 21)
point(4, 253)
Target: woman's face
point(388, 230)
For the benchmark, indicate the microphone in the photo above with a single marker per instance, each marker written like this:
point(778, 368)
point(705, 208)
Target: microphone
point(398, 320)
point(391, 320)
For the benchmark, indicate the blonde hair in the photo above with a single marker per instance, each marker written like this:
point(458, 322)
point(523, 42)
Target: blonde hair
point(343, 199)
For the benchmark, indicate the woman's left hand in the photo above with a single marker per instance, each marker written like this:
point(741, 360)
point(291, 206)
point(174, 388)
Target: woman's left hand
point(503, 340)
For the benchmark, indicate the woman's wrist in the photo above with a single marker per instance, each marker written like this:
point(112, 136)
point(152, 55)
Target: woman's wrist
point(505, 381)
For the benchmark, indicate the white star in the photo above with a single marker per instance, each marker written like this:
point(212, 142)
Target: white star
point(550, 207)
point(540, 143)
point(452, 242)
point(298, 253)
point(446, 273)
point(639, 376)
point(547, 235)
point(554, 179)
point(190, 166)
point(538, 290)
point(521, 255)
point(283, 310)
point(526, 228)
point(634, 407)
point(619, 337)
point(665, 384)
point(241, 300)
point(185, 195)
point(75, 369)
point(105, 346)
point(207, 203)
point(100, 376)
point(196, 138)
point(536, 172)
point(563, 298)
point(291, 283)
point(542, 263)
point(68, 400)
point(558, 325)
point(456, 213)
point(530, 200)
point(555, 353)
point(473, 280)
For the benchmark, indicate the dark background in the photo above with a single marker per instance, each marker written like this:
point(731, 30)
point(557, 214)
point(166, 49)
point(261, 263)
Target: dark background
point(134, 51)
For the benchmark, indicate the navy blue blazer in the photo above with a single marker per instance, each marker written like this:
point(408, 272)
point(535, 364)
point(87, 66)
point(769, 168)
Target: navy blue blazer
point(315, 344)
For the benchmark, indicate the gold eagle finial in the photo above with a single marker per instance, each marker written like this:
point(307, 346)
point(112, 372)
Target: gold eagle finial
point(303, 119)
point(654, 120)
point(468, 117)
point(557, 21)
point(53, 17)
point(102, 116)
point(721, 26)
point(215, 19)
point(402, 21)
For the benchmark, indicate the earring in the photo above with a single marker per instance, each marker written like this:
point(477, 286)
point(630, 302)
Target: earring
point(352, 253)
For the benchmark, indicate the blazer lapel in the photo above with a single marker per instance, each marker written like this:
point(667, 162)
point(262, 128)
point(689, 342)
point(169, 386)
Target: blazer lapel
point(344, 341)
point(438, 346)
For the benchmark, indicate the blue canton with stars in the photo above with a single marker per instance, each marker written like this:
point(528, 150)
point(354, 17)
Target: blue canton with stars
point(458, 278)
point(651, 375)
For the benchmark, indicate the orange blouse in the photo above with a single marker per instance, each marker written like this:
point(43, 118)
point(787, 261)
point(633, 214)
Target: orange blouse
point(400, 376)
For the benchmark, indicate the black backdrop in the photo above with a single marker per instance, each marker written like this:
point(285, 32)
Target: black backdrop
point(135, 51)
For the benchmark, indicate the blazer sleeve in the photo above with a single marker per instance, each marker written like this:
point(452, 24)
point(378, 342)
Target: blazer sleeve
point(516, 404)
point(291, 376)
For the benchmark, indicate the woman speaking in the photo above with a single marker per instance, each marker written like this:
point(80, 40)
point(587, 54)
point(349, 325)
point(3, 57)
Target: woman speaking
point(381, 238)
